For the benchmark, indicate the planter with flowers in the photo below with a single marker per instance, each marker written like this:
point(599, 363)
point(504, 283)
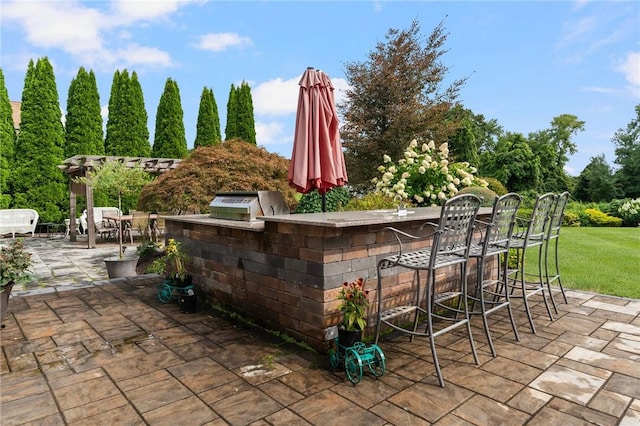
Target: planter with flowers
point(424, 177)
point(15, 261)
point(175, 259)
point(354, 308)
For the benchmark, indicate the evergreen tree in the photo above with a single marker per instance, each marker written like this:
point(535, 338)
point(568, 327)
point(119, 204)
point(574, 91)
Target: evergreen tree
point(514, 164)
point(170, 140)
point(553, 147)
point(627, 142)
point(127, 131)
point(240, 120)
point(7, 144)
point(83, 123)
point(597, 182)
point(37, 181)
point(246, 126)
point(394, 97)
point(231, 130)
point(208, 126)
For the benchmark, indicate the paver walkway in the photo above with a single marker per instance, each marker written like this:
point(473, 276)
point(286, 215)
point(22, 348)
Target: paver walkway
point(111, 353)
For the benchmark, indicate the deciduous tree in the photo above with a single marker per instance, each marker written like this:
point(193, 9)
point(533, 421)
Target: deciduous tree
point(395, 96)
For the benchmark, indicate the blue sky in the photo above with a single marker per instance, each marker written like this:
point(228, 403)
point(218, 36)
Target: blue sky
point(527, 61)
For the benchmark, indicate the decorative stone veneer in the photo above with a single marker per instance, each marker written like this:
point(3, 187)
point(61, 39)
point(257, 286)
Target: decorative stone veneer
point(286, 274)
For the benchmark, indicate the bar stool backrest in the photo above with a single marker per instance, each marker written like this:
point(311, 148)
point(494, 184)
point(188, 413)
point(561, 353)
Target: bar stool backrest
point(535, 231)
point(503, 219)
point(455, 230)
point(557, 214)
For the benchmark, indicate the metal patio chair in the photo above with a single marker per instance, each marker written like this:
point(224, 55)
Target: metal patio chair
point(450, 248)
point(140, 224)
point(529, 236)
point(552, 237)
point(491, 293)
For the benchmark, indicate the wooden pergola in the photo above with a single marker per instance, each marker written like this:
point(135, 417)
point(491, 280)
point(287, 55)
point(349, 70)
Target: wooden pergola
point(79, 165)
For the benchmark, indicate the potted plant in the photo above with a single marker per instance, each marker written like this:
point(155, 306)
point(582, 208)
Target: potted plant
point(15, 260)
point(116, 178)
point(175, 260)
point(354, 307)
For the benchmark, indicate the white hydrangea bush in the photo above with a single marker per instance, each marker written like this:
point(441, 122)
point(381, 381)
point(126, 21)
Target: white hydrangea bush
point(424, 176)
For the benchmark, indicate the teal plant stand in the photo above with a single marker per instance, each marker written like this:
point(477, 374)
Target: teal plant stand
point(168, 292)
point(355, 358)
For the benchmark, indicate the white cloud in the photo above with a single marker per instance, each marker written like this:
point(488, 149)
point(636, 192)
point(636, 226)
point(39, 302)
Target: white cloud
point(271, 133)
point(141, 55)
point(276, 97)
point(145, 9)
point(221, 41)
point(596, 89)
point(90, 35)
point(64, 25)
point(630, 67)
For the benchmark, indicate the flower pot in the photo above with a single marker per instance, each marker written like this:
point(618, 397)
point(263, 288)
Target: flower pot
point(121, 268)
point(348, 338)
point(183, 282)
point(4, 300)
point(188, 302)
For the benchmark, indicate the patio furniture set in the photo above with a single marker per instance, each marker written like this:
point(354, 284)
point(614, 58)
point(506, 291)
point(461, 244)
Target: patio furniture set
point(455, 242)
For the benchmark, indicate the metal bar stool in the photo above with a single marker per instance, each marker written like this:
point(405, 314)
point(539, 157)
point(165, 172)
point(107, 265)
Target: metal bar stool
point(450, 248)
point(491, 293)
point(530, 236)
point(553, 235)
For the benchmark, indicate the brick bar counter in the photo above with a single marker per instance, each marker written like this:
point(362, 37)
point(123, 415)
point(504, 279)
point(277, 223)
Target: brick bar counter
point(286, 270)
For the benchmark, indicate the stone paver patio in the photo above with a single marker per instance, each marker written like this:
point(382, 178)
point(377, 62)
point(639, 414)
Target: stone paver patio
point(110, 352)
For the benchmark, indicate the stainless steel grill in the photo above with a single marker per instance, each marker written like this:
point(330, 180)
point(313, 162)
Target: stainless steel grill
point(247, 206)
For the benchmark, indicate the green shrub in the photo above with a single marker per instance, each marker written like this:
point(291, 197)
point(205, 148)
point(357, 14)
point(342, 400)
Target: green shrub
point(486, 194)
point(335, 200)
point(371, 201)
point(571, 219)
point(598, 218)
point(496, 186)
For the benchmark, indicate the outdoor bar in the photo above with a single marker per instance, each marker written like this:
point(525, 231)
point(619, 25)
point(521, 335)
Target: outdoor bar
point(285, 270)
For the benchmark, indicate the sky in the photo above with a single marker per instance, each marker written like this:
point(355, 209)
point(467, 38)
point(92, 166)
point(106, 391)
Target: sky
point(526, 61)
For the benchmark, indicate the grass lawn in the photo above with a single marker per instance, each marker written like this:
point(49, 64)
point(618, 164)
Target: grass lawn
point(602, 260)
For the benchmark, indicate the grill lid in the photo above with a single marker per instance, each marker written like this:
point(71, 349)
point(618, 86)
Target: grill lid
point(247, 205)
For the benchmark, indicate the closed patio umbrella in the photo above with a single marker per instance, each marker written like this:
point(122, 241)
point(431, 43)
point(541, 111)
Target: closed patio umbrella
point(317, 161)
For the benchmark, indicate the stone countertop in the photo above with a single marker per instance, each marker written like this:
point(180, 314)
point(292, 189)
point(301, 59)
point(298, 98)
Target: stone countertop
point(329, 219)
point(362, 217)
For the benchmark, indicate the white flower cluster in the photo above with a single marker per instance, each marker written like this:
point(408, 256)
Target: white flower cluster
point(630, 210)
point(424, 175)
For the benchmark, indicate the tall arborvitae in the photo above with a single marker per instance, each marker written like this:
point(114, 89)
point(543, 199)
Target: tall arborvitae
point(127, 131)
point(170, 140)
point(83, 124)
point(114, 119)
point(140, 119)
point(246, 126)
point(230, 130)
point(240, 121)
point(37, 181)
point(208, 126)
point(7, 142)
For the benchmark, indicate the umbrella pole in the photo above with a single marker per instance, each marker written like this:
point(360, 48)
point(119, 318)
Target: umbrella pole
point(324, 202)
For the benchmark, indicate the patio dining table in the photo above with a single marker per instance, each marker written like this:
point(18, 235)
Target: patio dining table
point(126, 220)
